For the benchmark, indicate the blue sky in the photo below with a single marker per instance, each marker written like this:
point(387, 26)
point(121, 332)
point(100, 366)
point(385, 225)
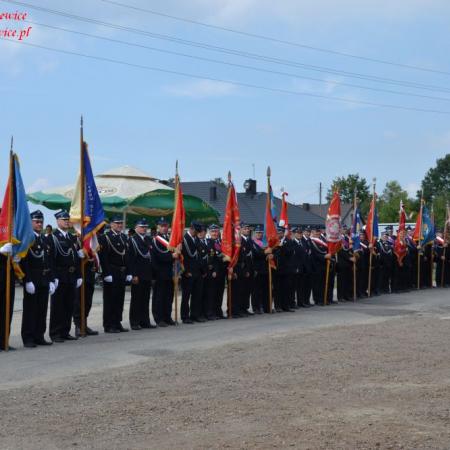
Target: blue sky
point(148, 119)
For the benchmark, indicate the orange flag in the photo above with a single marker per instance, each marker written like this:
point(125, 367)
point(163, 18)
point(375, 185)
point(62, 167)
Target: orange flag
point(284, 222)
point(231, 237)
point(178, 220)
point(334, 224)
point(400, 242)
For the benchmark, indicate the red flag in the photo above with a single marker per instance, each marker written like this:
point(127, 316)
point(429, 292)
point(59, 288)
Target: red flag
point(231, 237)
point(418, 226)
point(370, 221)
point(178, 220)
point(334, 224)
point(4, 217)
point(400, 243)
point(284, 222)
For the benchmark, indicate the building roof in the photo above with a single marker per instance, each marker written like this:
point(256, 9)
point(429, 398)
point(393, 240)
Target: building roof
point(251, 208)
point(322, 210)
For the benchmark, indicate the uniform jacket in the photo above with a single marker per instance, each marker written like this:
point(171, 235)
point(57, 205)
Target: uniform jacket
point(140, 257)
point(114, 255)
point(66, 263)
point(38, 264)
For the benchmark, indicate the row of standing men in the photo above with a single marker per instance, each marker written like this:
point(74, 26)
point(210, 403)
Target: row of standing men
point(53, 267)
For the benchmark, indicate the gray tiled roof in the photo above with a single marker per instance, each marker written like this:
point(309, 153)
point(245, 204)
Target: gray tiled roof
point(252, 209)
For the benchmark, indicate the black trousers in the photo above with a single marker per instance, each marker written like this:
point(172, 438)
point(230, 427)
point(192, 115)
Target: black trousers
point(88, 295)
point(61, 310)
point(113, 300)
point(260, 293)
point(140, 303)
point(401, 277)
point(163, 291)
point(34, 317)
point(361, 281)
point(246, 287)
point(207, 297)
point(345, 283)
point(217, 290)
point(385, 279)
point(3, 308)
point(236, 296)
point(191, 297)
point(308, 286)
point(284, 290)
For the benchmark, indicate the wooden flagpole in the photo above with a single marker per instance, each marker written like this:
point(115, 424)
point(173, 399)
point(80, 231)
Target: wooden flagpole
point(326, 282)
point(268, 261)
point(420, 242)
point(229, 274)
point(354, 256)
point(432, 253)
point(369, 287)
point(83, 189)
point(445, 241)
point(176, 260)
point(9, 258)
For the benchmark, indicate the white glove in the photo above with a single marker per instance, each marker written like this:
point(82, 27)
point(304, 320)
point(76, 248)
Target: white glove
point(129, 278)
point(81, 254)
point(56, 283)
point(79, 282)
point(17, 259)
point(108, 279)
point(52, 288)
point(7, 248)
point(30, 288)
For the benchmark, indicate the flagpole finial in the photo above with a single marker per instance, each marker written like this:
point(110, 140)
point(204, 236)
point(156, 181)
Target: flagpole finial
point(268, 171)
point(176, 166)
point(81, 121)
point(229, 176)
point(12, 142)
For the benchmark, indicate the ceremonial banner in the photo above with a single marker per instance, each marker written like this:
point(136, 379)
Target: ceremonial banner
point(178, 221)
point(284, 222)
point(372, 222)
point(354, 232)
point(400, 242)
point(424, 233)
point(333, 224)
point(270, 237)
point(94, 215)
point(22, 231)
point(231, 238)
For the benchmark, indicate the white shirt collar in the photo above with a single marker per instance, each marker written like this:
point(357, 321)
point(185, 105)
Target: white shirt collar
point(64, 233)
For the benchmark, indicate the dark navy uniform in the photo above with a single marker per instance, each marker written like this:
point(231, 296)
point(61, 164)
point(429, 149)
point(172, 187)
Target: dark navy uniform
point(217, 272)
point(37, 267)
point(442, 262)
point(284, 279)
point(67, 272)
point(309, 268)
point(246, 261)
point(140, 259)
point(387, 260)
point(300, 256)
point(319, 249)
point(115, 264)
point(260, 293)
point(344, 271)
point(3, 277)
point(191, 281)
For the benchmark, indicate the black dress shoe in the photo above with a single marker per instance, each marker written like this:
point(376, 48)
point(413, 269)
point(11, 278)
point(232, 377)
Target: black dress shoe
point(295, 307)
point(122, 329)
point(212, 317)
point(136, 327)
point(278, 310)
point(149, 326)
point(242, 314)
point(162, 324)
point(188, 321)
point(259, 311)
point(288, 310)
point(250, 313)
point(199, 320)
point(9, 348)
point(341, 300)
point(71, 338)
point(305, 305)
point(58, 339)
point(78, 333)
point(112, 330)
point(170, 322)
point(42, 342)
point(235, 316)
point(91, 332)
point(29, 345)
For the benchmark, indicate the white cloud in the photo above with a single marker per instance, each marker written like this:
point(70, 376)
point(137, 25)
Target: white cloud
point(39, 185)
point(202, 89)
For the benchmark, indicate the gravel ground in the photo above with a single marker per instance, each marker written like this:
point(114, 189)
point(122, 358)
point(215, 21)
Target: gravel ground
point(384, 385)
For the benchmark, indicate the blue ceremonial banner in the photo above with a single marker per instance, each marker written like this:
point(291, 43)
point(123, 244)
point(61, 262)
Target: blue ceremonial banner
point(22, 229)
point(427, 227)
point(93, 205)
point(356, 227)
point(375, 232)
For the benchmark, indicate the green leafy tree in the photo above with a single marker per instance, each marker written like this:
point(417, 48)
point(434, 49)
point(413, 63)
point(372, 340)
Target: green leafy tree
point(346, 186)
point(389, 203)
point(219, 182)
point(436, 180)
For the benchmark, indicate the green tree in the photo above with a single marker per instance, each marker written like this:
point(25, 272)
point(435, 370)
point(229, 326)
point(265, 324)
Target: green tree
point(346, 186)
point(219, 182)
point(436, 180)
point(389, 203)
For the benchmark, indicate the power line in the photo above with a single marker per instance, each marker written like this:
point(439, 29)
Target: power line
point(265, 88)
point(234, 64)
point(348, 55)
point(237, 52)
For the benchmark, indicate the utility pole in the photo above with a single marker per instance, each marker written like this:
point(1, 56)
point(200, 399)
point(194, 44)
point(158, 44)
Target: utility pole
point(320, 198)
